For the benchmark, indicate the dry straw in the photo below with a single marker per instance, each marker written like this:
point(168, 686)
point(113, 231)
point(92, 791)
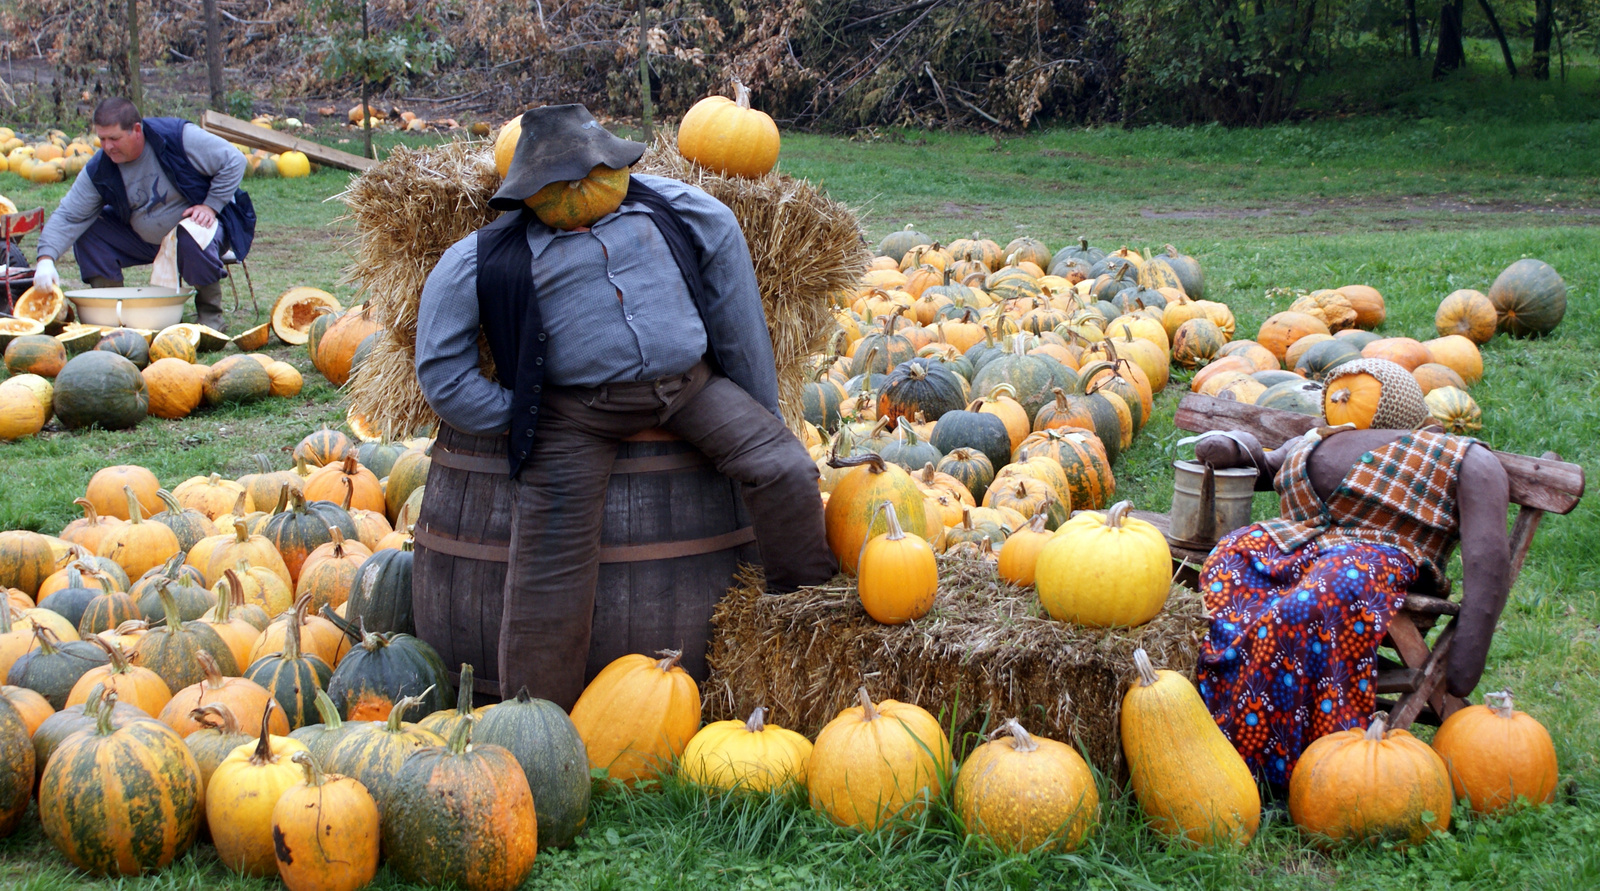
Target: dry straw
point(985, 653)
point(412, 207)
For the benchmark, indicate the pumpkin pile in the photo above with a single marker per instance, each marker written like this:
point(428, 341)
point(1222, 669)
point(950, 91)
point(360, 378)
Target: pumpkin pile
point(51, 159)
point(115, 377)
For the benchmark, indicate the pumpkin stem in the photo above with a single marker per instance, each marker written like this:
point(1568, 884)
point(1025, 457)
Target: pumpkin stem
point(1499, 703)
point(1118, 513)
point(169, 606)
point(1036, 523)
point(756, 722)
point(464, 692)
point(135, 516)
point(208, 664)
point(1147, 672)
point(171, 501)
point(47, 640)
point(1341, 395)
point(241, 534)
point(217, 715)
point(349, 488)
point(1376, 728)
point(874, 463)
point(869, 712)
point(895, 533)
point(328, 711)
point(291, 637)
point(669, 659)
point(108, 705)
point(119, 659)
point(461, 739)
point(89, 513)
point(1022, 740)
point(308, 764)
point(1002, 389)
point(741, 94)
point(263, 753)
point(966, 518)
point(283, 494)
point(523, 696)
point(397, 714)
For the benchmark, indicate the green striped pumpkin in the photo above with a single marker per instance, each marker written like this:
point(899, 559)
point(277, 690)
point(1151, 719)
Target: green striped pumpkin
point(169, 650)
point(16, 769)
point(373, 752)
point(321, 738)
point(1082, 455)
point(121, 800)
point(380, 596)
point(294, 678)
point(56, 728)
point(1033, 377)
point(409, 472)
point(53, 667)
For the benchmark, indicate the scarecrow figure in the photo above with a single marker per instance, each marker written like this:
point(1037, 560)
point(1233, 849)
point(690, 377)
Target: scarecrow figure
point(642, 313)
point(1299, 603)
point(150, 175)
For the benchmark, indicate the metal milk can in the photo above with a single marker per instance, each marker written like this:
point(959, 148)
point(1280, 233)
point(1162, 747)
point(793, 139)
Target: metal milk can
point(1208, 503)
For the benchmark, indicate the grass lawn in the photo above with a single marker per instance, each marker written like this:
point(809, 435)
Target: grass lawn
point(1414, 207)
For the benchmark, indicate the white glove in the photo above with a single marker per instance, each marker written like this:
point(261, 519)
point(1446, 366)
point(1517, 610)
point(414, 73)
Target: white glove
point(45, 276)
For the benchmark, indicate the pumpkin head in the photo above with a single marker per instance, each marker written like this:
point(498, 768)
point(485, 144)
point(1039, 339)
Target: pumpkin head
point(637, 715)
point(573, 204)
point(877, 762)
point(241, 795)
point(325, 831)
point(1105, 570)
point(1496, 754)
point(121, 800)
point(747, 755)
point(1022, 791)
point(898, 574)
point(1370, 785)
point(1374, 393)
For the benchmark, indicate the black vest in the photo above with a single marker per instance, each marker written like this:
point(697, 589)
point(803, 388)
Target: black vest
point(508, 308)
point(164, 137)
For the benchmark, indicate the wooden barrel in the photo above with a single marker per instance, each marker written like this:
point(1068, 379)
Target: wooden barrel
point(675, 531)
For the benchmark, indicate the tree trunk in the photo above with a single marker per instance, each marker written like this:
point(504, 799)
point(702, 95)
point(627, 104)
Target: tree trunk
point(1451, 54)
point(1494, 24)
point(214, 53)
point(366, 93)
point(135, 87)
point(1543, 14)
point(645, 115)
point(1413, 32)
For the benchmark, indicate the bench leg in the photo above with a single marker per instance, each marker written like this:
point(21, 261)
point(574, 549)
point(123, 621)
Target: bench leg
point(1430, 691)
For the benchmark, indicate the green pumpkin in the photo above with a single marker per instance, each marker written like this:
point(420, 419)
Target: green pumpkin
point(373, 751)
point(107, 609)
point(979, 431)
point(174, 572)
point(70, 602)
point(169, 650)
point(1075, 254)
point(299, 528)
point(74, 718)
point(1326, 355)
point(1357, 337)
point(1032, 377)
point(293, 678)
point(971, 467)
point(880, 351)
point(267, 168)
point(17, 768)
point(1197, 342)
point(188, 524)
point(326, 317)
point(380, 596)
point(215, 741)
point(909, 450)
point(920, 385)
point(1276, 376)
point(237, 380)
point(383, 670)
point(53, 667)
point(379, 457)
point(1299, 396)
point(896, 244)
point(541, 737)
point(102, 389)
point(121, 800)
point(320, 738)
point(445, 722)
point(1529, 297)
point(819, 402)
point(1185, 268)
point(193, 600)
point(128, 344)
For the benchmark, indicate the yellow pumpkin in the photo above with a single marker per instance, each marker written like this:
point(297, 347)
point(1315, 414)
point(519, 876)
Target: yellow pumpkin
point(292, 165)
point(1023, 792)
point(728, 136)
point(574, 204)
point(637, 715)
point(898, 574)
point(747, 755)
point(1459, 354)
point(1189, 780)
point(1019, 556)
point(1468, 313)
point(1105, 570)
point(505, 144)
point(243, 790)
point(877, 762)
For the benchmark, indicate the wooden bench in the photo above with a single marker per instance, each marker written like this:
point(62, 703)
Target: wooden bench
point(1416, 677)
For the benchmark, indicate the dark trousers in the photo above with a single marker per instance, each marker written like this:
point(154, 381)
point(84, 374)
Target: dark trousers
point(109, 246)
point(560, 502)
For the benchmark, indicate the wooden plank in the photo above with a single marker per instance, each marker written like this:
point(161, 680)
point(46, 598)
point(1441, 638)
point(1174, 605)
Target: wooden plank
point(1546, 483)
point(1430, 690)
point(1397, 680)
point(1421, 603)
point(1407, 641)
point(248, 134)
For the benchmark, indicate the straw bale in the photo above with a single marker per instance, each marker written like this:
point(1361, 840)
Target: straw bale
point(986, 652)
point(410, 208)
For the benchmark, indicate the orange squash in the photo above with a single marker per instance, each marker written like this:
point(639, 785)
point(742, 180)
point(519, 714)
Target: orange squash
point(325, 831)
point(1496, 754)
point(245, 698)
point(851, 517)
point(1023, 792)
point(637, 715)
point(1370, 785)
point(1280, 331)
point(877, 762)
point(138, 546)
point(728, 136)
point(241, 796)
point(898, 574)
point(106, 490)
point(88, 530)
point(1458, 353)
point(336, 482)
point(1468, 313)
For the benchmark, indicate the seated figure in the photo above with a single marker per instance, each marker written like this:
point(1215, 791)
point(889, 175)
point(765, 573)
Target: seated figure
point(1298, 604)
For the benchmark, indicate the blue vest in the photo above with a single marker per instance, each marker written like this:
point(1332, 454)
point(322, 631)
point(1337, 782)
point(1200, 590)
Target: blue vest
point(508, 308)
point(164, 136)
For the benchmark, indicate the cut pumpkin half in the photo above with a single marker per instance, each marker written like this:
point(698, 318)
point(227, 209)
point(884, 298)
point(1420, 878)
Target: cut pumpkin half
point(49, 307)
point(296, 309)
point(11, 329)
point(255, 338)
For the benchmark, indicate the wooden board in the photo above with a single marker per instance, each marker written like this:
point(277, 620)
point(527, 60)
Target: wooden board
point(1546, 483)
point(248, 134)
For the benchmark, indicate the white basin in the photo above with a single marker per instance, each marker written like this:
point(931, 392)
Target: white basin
point(143, 307)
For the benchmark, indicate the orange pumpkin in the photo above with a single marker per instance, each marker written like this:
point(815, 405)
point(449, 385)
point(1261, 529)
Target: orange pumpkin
point(1368, 304)
point(138, 546)
point(105, 490)
point(851, 517)
point(1496, 754)
point(1280, 331)
point(1468, 313)
point(637, 715)
point(1370, 785)
point(330, 483)
point(1460, 354)
point(898, 574)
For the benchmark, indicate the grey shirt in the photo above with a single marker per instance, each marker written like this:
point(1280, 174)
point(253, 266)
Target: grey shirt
point(613, 305)
point(157, 206)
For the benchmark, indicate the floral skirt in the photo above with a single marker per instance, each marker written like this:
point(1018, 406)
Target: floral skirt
point(1289, 655)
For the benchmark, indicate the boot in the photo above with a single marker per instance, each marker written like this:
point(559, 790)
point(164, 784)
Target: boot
point(208, 306)
point(100, 281)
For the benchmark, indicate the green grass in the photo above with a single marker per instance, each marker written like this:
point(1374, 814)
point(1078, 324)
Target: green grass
point(1414, 206)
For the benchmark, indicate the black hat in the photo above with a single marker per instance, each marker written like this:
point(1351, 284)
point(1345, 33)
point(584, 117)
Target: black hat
point(560, 143)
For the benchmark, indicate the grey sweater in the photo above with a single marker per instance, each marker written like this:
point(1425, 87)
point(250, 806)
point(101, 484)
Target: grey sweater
point(157, 205)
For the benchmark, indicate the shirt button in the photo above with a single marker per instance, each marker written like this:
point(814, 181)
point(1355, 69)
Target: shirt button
point(533, 411)
point(541, 335)
point(536, 389)
point(539, 360)
point(529, 435)
point(630, 316)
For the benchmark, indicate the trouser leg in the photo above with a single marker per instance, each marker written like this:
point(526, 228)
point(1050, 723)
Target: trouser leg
point(559, 506)
point(749, 444)
point(202, 267)
point(107, 247)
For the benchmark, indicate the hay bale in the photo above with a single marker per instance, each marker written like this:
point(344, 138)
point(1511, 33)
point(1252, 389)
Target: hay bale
point(410, 208)
point(985, 653)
